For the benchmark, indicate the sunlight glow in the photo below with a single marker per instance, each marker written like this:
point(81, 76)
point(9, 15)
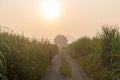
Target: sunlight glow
point(50, 9)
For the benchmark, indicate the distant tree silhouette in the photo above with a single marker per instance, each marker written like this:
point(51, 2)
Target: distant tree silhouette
point(60, 40)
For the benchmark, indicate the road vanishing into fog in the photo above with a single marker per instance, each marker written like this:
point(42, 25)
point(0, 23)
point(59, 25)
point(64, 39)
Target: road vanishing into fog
point(53, 70)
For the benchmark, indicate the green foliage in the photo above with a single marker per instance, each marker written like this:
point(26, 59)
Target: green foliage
point(86, 45)
point(110, 43)
point(101, 58)
point(2, 67)
point(111, 50)
point(27, 59)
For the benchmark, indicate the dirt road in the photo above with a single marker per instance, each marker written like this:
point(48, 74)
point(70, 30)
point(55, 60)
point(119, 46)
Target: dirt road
point(53, 70)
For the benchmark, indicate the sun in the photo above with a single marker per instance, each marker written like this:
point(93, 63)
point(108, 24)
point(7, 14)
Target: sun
point(50, 9)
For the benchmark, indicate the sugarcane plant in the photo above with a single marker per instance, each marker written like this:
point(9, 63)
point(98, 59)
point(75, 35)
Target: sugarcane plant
point(3, 69)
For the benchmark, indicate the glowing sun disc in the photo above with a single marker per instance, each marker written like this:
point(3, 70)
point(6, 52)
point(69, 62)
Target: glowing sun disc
point(50, 9)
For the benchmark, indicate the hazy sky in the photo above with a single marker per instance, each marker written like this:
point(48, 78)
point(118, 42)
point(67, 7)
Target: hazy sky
point(77, 18)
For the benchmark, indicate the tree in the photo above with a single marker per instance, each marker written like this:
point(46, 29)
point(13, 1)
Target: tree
point(60, 40)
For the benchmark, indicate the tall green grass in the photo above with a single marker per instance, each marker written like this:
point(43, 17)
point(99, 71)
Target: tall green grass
point(3, 69)
point(99, 56)
point(27, 59)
